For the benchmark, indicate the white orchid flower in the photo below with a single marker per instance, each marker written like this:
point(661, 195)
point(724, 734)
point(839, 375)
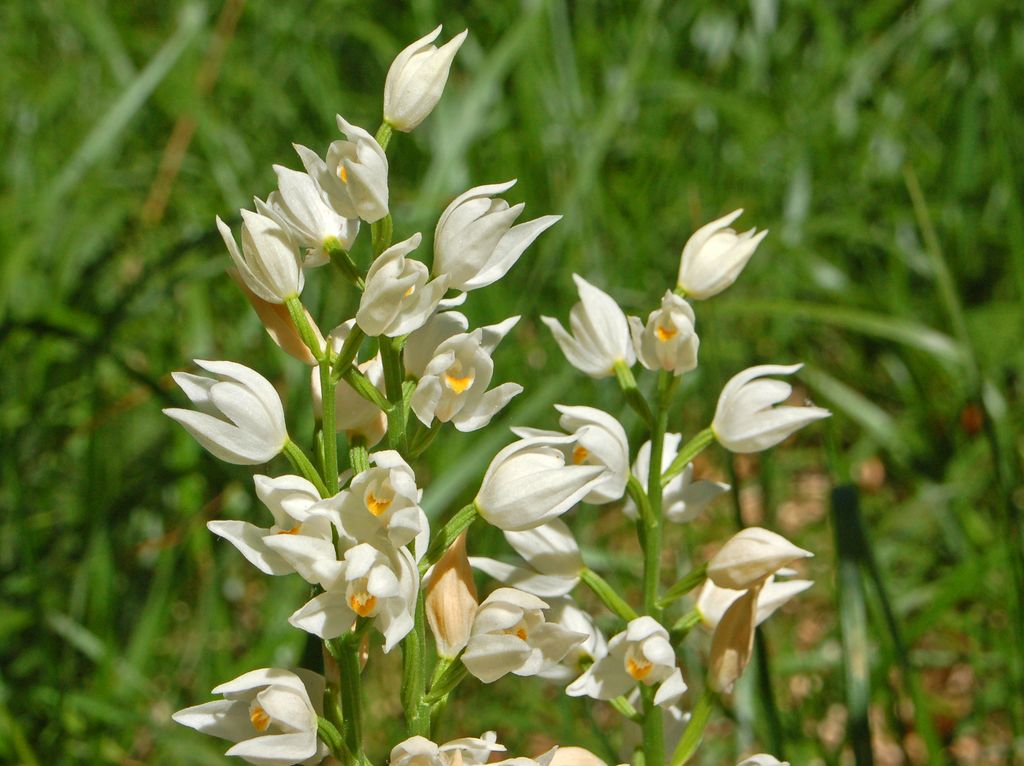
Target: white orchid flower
point(368, 581)
point(600, 333)
point(750, 556)
point(599, 439)
point(715, 255)
point(553, 561)
point(545, 759)
point(713, 600)
point(466, 751)
point(453, 387)
point(746, 420)
point(354, 177)
point(268, 262)
point(640, 654)
point(565, 612)
point(575, 756)
point(270, 715)
point(528, 484)
point(683, 499)
point(416, 80)
point(668, 341)
point(240, 418)
point(420, 345)
point(475, 243)
point(510, 635)
point(299, 206)
point(295, 504)
point(382, 503)
point(398, 299)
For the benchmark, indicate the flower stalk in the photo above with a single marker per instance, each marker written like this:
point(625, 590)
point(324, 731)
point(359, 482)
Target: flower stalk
point(690, 450)
point(303, 465)
point(609, 597)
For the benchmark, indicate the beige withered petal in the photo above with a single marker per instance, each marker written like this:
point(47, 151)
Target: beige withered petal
point(575, 756)
point(733, 642)
point(278, 323)
point(451, 601)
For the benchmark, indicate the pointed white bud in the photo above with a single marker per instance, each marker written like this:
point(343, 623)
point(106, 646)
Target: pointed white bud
point(750, 557)
point(528, 484)
point(398, 298)
point(416, 80)
point(475, 243)
point(240, 418)
point(268, 262)
point(746, 419)
point(600, 333)
point(668, 341)
point(714, 256)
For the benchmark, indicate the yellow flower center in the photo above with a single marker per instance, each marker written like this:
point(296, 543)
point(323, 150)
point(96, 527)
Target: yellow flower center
point(579, 454)
point(293, 531)
point(410, 291)
point(638, 666)
point(362, 603)
point(665, 334)
point(259, 718)
point(376, 505)
point(342, 173)
point(519, 631)
point(458, 384)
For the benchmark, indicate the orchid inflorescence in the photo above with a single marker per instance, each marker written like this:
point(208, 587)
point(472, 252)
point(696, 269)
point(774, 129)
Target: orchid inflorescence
point(406, 364)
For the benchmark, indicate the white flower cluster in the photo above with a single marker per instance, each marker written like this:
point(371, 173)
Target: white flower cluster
point(406, 364)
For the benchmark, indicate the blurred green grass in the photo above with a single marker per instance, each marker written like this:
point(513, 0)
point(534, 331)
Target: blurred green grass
point(879, 141)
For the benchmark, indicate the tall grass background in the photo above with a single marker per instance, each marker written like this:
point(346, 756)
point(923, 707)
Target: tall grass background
point(879, 141)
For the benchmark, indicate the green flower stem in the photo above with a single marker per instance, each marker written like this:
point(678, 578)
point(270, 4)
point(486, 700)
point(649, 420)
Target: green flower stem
point(414, 675)
point(351, 692)
point(654, 736)
point(303, 465)
point(380, 234)
point(684, 586)
point(358, 455)
point(690, 450)
point(447, 535)
point(298, 314)
point(365, 388)
point(639, 494)
point(682, 627)
point(330, 436)
point(694, 730)
point(607, 594)
point(424, 438)
point(447, 676)
point(343, 261)
point(331, 737)
point(349, 349)
point(394, 374)
point(626, 710)
point(384, 133)
point(631, 393)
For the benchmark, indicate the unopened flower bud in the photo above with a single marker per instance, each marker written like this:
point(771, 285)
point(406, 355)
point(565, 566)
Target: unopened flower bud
point(751, 556)
point(416, 80)
point(268, 261)
point(451, 601)
point(714, 256)
point(746, 419)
